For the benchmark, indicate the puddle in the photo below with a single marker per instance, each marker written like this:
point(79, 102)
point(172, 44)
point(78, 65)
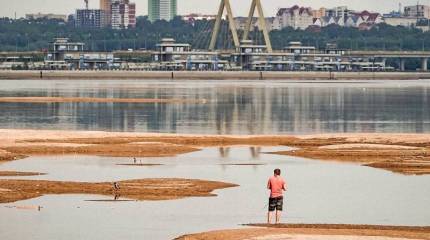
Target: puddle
point(319, 192)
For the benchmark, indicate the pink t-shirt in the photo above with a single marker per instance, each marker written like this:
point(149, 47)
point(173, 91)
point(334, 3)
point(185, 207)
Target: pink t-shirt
point(276, 185)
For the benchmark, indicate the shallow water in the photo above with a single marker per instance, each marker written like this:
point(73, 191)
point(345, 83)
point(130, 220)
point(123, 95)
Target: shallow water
point(319, 192)
point(233, 107)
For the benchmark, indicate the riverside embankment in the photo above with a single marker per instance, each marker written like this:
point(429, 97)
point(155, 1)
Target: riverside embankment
point(214, 75)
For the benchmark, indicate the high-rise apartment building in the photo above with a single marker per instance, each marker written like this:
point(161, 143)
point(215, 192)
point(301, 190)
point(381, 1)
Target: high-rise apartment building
point(162, 10)
point(89, 18)
point(123, 14)
point(105, 6)
point(132, 15)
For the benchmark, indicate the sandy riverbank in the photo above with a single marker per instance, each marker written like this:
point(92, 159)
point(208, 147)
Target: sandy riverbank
point(210, 75)
point(316, 232)
point(403, 153)
point(145, 189)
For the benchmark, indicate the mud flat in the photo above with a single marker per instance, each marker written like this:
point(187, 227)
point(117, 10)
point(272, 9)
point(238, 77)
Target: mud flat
point(316, 232)
point(92, 100)
point(396, 158)
point(402, 153)
point(8, 156)
point(213, 75)
point(145, 189)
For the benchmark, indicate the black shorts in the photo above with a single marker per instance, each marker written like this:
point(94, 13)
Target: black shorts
point(276, 203)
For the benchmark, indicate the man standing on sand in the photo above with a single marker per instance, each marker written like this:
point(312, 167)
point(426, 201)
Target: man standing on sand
point(276, 185)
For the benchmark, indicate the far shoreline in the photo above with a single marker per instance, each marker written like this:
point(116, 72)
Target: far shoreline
point(208, 75)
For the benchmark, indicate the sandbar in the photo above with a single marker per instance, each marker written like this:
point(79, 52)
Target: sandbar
point(315, 232)
point(144, 189)
point(400, 153)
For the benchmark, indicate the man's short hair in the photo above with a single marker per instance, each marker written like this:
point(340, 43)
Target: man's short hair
point(277, 171)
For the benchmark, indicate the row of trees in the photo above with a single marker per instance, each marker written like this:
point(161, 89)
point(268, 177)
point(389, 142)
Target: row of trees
point(34, 35)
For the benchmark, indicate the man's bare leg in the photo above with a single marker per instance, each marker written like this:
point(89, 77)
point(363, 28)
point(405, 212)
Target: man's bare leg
point(269, 217)
point(278, 216)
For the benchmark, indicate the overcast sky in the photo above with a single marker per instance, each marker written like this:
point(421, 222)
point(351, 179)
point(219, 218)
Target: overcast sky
point(21, 7)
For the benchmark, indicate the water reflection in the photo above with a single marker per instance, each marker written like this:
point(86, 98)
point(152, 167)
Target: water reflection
point(224, 152)
point(239, 108)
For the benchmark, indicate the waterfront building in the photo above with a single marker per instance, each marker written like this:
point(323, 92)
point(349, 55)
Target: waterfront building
point(179, 56)
point(46, 16)
point(67, 55)
point(90, 18)
point(162, 10)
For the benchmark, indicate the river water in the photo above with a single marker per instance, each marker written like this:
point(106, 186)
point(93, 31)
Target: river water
point(319, 192)
point(253, 107)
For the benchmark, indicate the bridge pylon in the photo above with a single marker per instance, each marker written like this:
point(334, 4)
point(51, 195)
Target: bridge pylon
point(256, 4)
point(225, 5)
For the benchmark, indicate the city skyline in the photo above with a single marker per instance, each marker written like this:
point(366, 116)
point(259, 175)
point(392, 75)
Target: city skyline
point(240, 7)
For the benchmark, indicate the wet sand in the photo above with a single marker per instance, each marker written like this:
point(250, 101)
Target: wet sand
point(402, 153)
point(396, 158)
point(315, 232)
point(92, 100)
point(145, 189)
point(104, 149)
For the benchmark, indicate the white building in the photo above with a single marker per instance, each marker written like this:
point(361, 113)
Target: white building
point(47, 16)
point(417, 11)
point(401, 21)
point(271, 24)
point(295, 17)
point(350, 20)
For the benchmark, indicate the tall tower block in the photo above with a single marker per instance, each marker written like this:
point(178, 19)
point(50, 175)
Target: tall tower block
point(105, 5)
point(162, 10)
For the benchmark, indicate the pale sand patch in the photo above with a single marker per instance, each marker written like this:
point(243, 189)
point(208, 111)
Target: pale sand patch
point(322, 237)
point(367, 146)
